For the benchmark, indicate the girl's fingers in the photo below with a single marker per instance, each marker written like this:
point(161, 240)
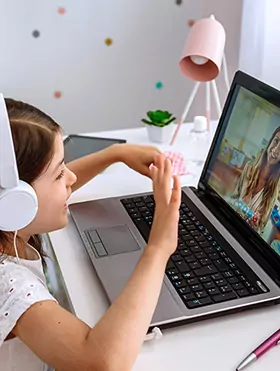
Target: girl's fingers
point(176, 193)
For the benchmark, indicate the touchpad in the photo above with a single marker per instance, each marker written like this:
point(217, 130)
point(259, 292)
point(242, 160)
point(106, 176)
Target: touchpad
point(117, 239)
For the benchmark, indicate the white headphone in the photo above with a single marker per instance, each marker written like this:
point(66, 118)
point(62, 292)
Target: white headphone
point(18, 200)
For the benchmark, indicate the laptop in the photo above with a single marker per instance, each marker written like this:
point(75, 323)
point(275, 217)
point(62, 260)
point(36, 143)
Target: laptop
point(228, 254)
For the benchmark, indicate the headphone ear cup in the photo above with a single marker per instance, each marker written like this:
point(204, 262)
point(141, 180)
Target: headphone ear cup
point(18, 207)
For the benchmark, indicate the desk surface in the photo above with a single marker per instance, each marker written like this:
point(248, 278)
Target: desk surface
point(216, 344)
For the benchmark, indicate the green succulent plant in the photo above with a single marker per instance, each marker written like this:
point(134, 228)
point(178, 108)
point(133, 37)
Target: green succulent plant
point(159, 118)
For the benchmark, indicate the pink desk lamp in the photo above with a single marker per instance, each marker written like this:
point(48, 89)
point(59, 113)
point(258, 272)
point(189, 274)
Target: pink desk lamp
point(201, 61)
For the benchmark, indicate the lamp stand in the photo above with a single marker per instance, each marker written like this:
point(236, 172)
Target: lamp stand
point(208, 85)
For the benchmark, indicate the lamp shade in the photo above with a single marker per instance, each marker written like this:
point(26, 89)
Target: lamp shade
point(203, 51)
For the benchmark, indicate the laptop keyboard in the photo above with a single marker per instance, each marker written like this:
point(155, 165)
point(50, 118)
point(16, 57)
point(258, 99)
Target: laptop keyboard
point(200, 269)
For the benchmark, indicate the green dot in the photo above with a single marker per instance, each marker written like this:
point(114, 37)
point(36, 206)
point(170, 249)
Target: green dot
point(159, 85)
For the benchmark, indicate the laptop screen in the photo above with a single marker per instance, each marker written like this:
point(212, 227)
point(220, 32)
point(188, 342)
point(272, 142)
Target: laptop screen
point(245, 167)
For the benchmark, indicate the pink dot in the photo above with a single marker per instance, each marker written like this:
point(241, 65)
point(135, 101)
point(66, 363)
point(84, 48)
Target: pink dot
point(57, 94)
point(61, 10)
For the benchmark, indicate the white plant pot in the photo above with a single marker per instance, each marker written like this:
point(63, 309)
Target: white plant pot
point(160, 135)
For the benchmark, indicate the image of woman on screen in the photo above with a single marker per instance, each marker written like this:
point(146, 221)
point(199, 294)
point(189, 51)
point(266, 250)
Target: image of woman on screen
point(257, 188)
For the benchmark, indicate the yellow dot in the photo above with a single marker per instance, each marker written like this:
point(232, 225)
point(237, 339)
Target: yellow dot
point(108, 41)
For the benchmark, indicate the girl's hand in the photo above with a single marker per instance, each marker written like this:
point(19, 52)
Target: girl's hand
point(137, 157)
point(164, 232)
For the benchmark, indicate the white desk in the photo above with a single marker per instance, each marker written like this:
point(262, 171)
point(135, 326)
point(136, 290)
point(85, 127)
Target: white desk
point(216, 344)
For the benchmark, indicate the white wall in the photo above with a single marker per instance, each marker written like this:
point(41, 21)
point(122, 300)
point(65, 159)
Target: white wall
point(260, 43)
point(105, 87)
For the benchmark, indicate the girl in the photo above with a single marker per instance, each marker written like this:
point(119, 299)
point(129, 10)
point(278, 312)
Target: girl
point(34, 329)
point(258, 186)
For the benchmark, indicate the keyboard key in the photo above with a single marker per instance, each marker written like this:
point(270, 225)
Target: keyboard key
point(228, 274)
point(216, 276)
point(209, 285)
point(197, 287)
point(205, 279)
point(233, 280)
point(214, 256)
point(182, 266)
point(135, 215)
point(176, 277)
point(190, 227)
point(200, 238)
point(172, 271)
point(221, 282)
point(195, 249)
point(198, 303)
point(195, 233)
point(140, 204)
point(214, 291)
point(187, 237)
point(209, 250)
point(204, 271)
point(238, 272)
point(185, 252)
point(242, 278)
point(247, 284)
point(191, 243)
point(184, 290)
point(201, 294)
point(188, 297)
point(200, 255)
point(176, 257)
point(188, 275)
point(193, 281)
point(243, 293)
point(237, 286)
point(190, 259)
point(179, 284)
point(195, 265)
point(221, 265)
point(137, 199)
point(205, 261)
point(204, 244)
point(224, 297)
point(253, 290)
point(225, 289)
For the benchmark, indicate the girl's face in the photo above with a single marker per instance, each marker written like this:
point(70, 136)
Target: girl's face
point(53, 188)
point(273, 151)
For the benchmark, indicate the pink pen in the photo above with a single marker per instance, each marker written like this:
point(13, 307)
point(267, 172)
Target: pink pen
point(270, 342)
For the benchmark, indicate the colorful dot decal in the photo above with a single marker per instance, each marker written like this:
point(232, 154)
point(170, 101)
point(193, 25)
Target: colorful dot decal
point(57, 94)
point(179, 2)
point(36, 33)
point(159, 85)
point(61, 10)
point(108, 41)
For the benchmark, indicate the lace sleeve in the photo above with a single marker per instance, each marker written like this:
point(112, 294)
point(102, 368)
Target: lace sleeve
point(19, 290)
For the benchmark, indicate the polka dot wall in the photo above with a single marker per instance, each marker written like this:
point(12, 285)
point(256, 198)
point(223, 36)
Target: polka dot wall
point(108, 41)
point(97, 65)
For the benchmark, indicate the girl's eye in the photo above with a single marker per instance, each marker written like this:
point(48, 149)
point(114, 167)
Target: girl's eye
point(61, 174)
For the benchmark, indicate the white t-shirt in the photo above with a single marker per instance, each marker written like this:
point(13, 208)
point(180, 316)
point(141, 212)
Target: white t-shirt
point(21, 285)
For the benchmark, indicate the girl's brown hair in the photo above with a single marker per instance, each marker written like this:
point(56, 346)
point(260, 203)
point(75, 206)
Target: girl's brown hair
point(272, 183)
point(33, 133)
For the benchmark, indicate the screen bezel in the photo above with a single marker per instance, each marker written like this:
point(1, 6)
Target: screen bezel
point(272, 95)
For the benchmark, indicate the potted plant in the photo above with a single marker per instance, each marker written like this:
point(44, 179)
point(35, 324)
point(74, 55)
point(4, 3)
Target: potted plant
point(159, 125)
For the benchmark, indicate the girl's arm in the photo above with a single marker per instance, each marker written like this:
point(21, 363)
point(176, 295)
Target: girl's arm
point(68, 344)
point(137, 157)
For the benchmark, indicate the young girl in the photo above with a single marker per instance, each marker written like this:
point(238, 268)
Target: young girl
point(258, 186)
point(34, 330)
